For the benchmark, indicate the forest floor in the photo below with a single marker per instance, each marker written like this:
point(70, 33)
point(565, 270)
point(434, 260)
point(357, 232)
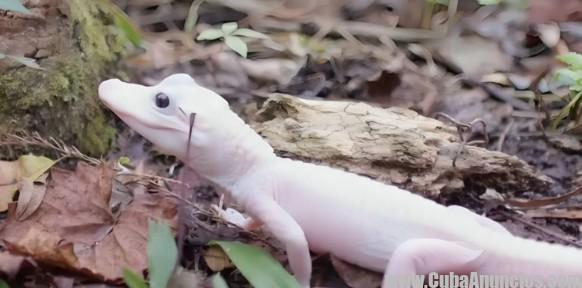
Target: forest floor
point(494, 63)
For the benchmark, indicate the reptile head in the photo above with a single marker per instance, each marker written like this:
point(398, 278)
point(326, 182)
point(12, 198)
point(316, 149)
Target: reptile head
point(161, 113)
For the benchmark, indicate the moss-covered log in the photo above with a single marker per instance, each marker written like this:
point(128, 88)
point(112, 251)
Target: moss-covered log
point(76, 44)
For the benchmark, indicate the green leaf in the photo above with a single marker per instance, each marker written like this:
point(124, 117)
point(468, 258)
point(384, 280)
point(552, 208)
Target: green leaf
point(216, 281)
point(124, 161)
point(489, 2)
point(133, 280)
point(257, 266)
point(14, 6)
point(567, 77)
point(192, 17)
point(210, 34)
point(228, 28)
point(162, 254)
point(573, 59)
point(237, 45)
point(442, 2)
point(3, 284)
point(565, 111)
point(249, 33)
point(129, 29)
point(34, 166)
point(29, 62)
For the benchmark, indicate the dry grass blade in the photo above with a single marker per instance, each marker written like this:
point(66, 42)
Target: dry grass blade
point(548, 201)
point(542, 229)
point(558, 213)
point(197, 210)
point(34, 139)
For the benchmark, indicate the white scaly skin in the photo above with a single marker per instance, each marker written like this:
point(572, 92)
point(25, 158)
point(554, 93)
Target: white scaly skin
point(326, 210)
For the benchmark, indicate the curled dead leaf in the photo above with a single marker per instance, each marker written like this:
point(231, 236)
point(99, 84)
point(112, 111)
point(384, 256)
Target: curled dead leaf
point(355, 276)
point(549, 33)
point(31, 195)
point(27, 167)
point(183, 278)
point(216, 259)
point(10, 264)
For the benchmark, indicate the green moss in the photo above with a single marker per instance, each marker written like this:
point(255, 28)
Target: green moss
point(99, 39)
point(98, 134)
point(61, 101)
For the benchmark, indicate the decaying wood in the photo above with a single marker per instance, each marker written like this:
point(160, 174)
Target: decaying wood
point(392, 145)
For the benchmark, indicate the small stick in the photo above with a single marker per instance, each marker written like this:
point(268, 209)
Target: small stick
point(503, 135)
point(542, 229)
point(181, 204)
point(462, 128)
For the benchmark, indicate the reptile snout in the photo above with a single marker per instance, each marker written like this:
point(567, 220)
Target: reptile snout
point(107, 89)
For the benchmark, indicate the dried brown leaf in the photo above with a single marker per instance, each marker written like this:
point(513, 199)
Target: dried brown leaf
point(355, 276)
point(74, 228)
point(216, 259)
point(27, 167)
point(31, 195)
point(558, 213)
point(6, 194)
point(549, 33)
point(547, 201)
point(9, 175)
point(10, 264)
point(9, 172)
point(183, 278)
point(474, 55)
point(543, 11)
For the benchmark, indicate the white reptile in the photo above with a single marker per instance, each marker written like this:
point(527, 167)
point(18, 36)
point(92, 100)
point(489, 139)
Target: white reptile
point(326, 210)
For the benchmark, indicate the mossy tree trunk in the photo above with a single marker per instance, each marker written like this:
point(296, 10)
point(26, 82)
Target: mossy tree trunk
point(76, 44)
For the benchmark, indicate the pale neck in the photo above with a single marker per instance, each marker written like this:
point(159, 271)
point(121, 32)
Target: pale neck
point(240, 152)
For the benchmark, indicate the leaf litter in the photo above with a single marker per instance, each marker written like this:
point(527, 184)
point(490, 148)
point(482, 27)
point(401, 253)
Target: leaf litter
point(452, 74)
point(22, 175)
point(74, 227)
point(312, 66)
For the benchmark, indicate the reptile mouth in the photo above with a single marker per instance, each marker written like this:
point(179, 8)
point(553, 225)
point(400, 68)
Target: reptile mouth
point(146, 123)
point(107, 92)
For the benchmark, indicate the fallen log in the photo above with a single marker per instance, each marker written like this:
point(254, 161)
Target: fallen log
point(393, 145)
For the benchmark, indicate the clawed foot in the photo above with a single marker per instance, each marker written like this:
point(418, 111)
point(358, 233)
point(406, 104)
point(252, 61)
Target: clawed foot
point(230, 216)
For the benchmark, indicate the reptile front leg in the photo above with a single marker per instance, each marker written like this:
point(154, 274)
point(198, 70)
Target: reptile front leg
point(288, 231)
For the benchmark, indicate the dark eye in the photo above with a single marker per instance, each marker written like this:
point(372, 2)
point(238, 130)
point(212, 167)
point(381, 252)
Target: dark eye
point(162, 100)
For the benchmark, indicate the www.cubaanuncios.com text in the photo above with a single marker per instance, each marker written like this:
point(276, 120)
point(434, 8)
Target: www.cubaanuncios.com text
point(475, 280)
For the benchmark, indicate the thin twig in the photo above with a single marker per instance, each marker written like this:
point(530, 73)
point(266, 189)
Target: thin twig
point(157, 178)
point(463, 128)
point(181, 205)
point(200, 211)
point(452, 12)
point(34, 139)
point(503, 135)
point(542, 229)
point(192, 17)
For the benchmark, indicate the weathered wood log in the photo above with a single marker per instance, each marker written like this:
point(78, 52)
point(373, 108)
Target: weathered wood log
point(76, 43)
point(392, 145)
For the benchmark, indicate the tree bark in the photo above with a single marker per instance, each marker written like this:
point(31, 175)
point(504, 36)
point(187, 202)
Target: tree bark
point(76, 44)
